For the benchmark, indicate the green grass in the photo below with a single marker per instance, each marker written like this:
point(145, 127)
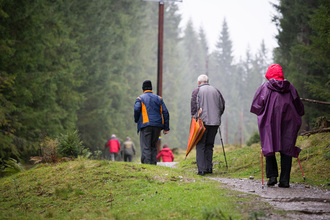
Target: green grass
point(90, 189)
point(244, 162)
point(94, 189)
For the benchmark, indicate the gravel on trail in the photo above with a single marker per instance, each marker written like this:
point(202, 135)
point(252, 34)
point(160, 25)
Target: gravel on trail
point(300, 201)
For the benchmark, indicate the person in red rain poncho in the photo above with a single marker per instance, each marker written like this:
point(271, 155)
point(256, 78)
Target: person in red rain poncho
point(114, 147)
point(166, 154)
point(279, 110)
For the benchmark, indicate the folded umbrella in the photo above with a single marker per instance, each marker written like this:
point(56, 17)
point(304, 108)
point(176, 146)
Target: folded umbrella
point(192, 134)
point(200, 132)
point(197, 130)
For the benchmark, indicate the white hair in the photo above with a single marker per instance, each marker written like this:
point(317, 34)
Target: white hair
point(203, 79)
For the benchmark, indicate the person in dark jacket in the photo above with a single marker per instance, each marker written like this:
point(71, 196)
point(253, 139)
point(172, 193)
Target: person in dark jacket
point(208, 104)
point(114, 147)
point(166, 154)
point(128, 149)
point(279, 110)
point(151, 116)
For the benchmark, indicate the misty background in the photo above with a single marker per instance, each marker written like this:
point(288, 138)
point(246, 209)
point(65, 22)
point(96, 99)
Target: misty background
point(79, 65)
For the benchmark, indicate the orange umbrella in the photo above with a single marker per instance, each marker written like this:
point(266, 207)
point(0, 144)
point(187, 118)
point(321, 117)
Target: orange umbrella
point(197, 130)
point(200, 132)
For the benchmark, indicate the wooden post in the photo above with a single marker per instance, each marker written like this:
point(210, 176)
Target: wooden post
point(160, 49)
point(160, 60)
point(160, 53)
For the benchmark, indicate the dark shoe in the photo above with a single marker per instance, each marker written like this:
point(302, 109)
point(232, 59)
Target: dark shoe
point(272, 181)
point(201, 173)
point(208, 171)
point(284, 185)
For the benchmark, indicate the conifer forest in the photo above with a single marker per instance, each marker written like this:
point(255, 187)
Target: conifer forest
point(78, 65)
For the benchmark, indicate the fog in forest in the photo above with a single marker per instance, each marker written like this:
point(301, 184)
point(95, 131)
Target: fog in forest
point(77, 67)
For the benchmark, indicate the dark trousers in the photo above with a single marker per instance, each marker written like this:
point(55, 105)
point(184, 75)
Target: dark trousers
point(127, 157)
point(272, 171)
point(148, 142)
point(204, 149)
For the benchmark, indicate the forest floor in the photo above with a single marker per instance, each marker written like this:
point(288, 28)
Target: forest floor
point(297, 202)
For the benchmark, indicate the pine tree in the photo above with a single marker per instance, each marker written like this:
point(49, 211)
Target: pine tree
point(40, 63)
point(303, 51)
point(172, 72)
point(227, 79)
point(193, 65)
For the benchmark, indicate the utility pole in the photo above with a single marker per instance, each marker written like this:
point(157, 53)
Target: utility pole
point(160, 51)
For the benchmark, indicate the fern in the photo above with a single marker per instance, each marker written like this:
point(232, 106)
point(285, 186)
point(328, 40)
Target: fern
point(11, 166)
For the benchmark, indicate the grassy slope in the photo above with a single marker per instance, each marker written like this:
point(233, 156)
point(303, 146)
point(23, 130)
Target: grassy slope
point(246, 161)
point(86, 189)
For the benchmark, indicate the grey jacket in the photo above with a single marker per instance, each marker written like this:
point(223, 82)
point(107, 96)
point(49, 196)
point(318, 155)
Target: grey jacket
point(129, 148)
point(212, 103)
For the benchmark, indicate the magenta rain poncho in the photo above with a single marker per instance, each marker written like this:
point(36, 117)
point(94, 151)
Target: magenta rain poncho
point(279, 110)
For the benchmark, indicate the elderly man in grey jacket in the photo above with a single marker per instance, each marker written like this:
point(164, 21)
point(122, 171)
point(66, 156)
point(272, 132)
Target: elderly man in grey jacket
point(208, 104)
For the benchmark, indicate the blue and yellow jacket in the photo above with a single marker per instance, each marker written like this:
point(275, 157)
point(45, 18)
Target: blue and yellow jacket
point(150, 110)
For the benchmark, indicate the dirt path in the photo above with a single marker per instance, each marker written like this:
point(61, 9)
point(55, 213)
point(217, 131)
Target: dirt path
point(298, 201)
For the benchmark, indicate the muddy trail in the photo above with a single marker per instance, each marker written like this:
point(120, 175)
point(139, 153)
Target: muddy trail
point(300, 201)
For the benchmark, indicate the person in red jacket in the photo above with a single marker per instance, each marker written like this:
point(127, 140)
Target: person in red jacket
point(166, 154)
point(114, 147)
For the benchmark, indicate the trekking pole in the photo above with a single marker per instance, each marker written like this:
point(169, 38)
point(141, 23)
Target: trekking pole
point(262, 171)
point(223, 148)
point(300, 167)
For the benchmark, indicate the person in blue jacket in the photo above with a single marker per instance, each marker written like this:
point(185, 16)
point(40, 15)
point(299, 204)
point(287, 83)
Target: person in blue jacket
point(151, 116)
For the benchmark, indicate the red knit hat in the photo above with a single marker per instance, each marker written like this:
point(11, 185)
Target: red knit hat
point(274, 72)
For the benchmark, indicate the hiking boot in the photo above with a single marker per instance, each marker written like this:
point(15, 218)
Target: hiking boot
point(208, 171)
point(272, 181)
point(284, 185)
point(201, 173)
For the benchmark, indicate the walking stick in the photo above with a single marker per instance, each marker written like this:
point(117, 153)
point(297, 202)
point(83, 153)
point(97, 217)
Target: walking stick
point(262, 171)
point(223, 148)
point(300, 167)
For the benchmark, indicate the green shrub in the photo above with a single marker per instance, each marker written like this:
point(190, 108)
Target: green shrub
point(255, 138)
point(85, 153)
point(97, 154)
point(49, 149)
point(11, 166)
point(70, 144)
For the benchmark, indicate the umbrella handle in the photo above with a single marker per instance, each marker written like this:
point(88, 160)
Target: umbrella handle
point(199, 112)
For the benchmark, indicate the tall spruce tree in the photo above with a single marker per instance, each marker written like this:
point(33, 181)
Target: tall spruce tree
point(172, 72)
point(107, 37)
point(193, 65)
point(226, 78)
point(40, 65)
point(204, 48)
point(302, 40)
